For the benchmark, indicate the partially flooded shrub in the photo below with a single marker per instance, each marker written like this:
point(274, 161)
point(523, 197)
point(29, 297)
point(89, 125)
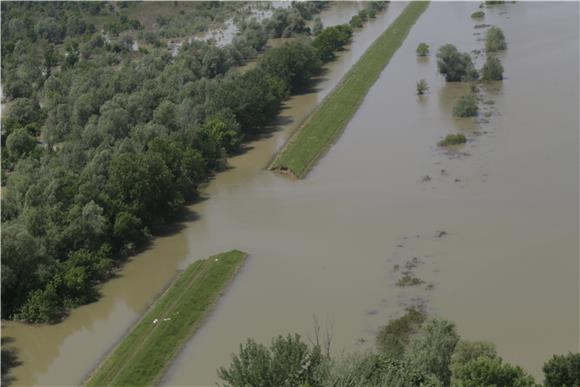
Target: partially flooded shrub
point(394, 337)
point(495, 40)
point(478, 15)
point(465, 106)
point(422, 87)
point(492, 69)
point(453, 139)
point(456, 66)
point(409, 279)
point(422, 49)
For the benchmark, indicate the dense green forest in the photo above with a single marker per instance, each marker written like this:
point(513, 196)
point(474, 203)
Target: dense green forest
point(411, 351)
point(106, 134)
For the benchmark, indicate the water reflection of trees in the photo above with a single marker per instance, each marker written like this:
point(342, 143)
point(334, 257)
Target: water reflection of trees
point(9, 360)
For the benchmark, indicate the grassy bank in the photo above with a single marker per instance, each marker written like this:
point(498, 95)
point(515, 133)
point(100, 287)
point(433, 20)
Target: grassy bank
point(143, 355)
point(327, 122)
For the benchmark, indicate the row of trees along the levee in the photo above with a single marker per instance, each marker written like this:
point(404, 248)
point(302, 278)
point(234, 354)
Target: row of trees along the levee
point(413, 350)
point(102, 144)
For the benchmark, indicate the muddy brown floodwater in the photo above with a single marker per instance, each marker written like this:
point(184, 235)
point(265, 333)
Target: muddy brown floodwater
point(505, 268)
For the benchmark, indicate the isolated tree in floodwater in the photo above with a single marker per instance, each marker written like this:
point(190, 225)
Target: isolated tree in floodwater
point(456, 66)
point(492, 69)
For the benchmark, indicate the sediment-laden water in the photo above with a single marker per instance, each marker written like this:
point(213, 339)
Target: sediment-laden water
point(494, 227)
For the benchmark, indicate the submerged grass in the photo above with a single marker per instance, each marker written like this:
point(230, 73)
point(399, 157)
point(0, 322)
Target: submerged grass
point(144, 354)
point(325, 125)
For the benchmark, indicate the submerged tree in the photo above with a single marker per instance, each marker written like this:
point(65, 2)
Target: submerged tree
point(495, 40)
point(492, 69)
point(422, 87)
point(422, 49)
point(455, 65)
point(465, 106)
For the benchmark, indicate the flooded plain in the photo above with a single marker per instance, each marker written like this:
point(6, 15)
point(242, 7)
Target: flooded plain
point(494, 227)
point(62, 354)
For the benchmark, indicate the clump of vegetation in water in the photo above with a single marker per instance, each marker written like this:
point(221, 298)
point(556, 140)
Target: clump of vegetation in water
point(422, 49)
point(453, 139)
point(495, 40)
point(422, 87)
point(478, 15)
point(394, 337)
point(408, 279)
point(492, 69)
point(454, 65)
point(494, 2)
point(465, 106)
point(356, 22)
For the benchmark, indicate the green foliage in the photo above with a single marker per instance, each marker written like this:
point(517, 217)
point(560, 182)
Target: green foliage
point(430, 350)
point(422, 49)
point(493, 2)
point(486, 371)
point(287, 362)
point(454, 65)
point(293, 62)
point(393, 338)
point(19, 143)
point(492, 69)
point(129, 134)
point(453, 139)
point(422, 87)
point(332, 39)
point(562, 370)
point(368, 369)
point(465, 351)
point(286, 22)
point(465, 106)
point(495, 40)
point(363, 14)
point(478, 15)
point(356, 22)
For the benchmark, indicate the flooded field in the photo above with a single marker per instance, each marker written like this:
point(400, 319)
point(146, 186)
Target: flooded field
point(494, 227)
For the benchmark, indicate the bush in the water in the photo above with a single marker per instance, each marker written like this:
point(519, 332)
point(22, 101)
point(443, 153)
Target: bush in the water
point(422, 49)
point(395, 336)
point(495, 40)
point(356, 22)
point(465, 106)
point(456, 66)
point(477, 15)
point(422, 87)
point(492, 69)
point(453, 139)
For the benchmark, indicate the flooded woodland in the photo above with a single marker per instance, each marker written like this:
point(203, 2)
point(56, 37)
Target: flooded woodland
point(490, 227)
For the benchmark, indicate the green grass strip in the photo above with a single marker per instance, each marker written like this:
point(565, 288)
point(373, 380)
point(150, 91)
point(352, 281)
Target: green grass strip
point(142, 357)
point(328, 121)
